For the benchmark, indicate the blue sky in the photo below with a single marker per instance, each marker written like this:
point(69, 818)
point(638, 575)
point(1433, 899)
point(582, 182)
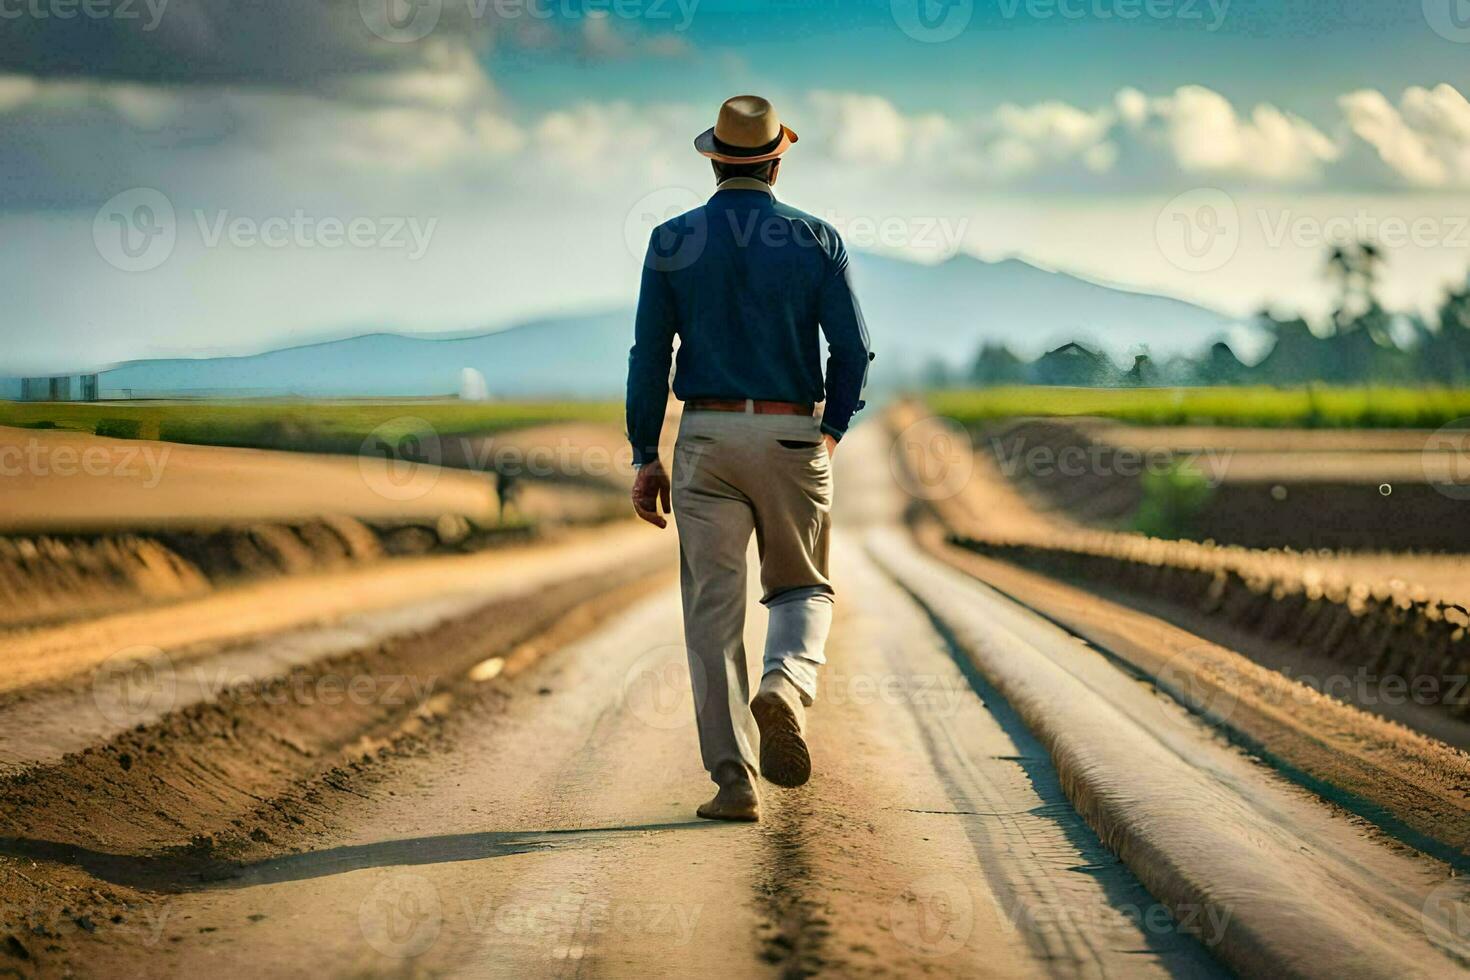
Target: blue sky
point(1300, 56)
point(184, 181)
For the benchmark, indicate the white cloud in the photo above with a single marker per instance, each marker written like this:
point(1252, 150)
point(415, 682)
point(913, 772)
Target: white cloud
point(453, 79)
point(1424, 140)
point(1020, 140)
point(1192, 134)
point(438, 116)
point(604, 139)
point(1136, 141)
point(1132, 106)
point(867, 130)
point(1208, 137)
point(440, 121)
point(1101, 158)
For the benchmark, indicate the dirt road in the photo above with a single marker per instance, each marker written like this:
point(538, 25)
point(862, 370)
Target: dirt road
point(971, 758)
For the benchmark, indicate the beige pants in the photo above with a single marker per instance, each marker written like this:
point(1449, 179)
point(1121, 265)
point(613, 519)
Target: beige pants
point(734, 475)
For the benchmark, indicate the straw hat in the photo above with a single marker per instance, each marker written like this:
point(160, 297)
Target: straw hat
point(747, 131)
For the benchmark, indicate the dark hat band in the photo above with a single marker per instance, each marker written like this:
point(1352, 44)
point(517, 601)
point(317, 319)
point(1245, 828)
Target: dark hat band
point(730, 150)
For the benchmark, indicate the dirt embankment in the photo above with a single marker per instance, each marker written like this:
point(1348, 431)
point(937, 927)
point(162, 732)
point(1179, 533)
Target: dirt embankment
point(1262, 489)
point(1368, 613)
point(1383, 629)
point(1409, 778)
point(1386, 629)
point(47, 579)
point(1244, 639)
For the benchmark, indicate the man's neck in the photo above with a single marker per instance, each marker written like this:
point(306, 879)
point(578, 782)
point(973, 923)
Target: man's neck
point(744, 184)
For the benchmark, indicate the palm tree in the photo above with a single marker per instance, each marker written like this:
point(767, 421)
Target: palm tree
point(1355, 268)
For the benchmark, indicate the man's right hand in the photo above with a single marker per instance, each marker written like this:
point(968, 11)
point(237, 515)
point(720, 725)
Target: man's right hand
point(651, 488)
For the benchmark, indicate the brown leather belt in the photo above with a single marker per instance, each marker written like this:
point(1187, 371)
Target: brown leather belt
point(740, 405)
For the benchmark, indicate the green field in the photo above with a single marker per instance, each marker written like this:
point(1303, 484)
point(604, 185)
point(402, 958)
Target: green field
point(1315, 407)
point(333, 427)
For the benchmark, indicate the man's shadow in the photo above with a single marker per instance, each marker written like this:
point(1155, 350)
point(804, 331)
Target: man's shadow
point(187, 870)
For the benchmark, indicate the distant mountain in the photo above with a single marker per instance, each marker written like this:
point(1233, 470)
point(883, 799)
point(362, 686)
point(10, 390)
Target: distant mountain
point(574, 357)
point(947, 311)
point(917, 314)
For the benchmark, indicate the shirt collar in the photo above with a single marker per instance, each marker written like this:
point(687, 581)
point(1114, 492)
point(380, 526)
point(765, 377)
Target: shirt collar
point(744, 184)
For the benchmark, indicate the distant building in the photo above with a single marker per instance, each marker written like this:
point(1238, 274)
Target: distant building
point(1073, 365)
point(59, 388)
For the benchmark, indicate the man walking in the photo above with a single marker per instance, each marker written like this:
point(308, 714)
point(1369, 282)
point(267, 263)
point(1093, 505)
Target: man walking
point(748, 285)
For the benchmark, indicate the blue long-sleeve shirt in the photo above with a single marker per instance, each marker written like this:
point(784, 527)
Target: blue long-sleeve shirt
point(749, 286)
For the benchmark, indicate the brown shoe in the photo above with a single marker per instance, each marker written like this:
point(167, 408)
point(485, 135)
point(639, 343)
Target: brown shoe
point(785, 760)
point(737, 798)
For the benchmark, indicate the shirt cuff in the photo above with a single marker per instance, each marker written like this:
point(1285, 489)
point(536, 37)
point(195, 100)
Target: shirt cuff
point(833, 431)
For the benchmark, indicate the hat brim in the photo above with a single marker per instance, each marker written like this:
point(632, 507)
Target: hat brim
point(705, 144)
